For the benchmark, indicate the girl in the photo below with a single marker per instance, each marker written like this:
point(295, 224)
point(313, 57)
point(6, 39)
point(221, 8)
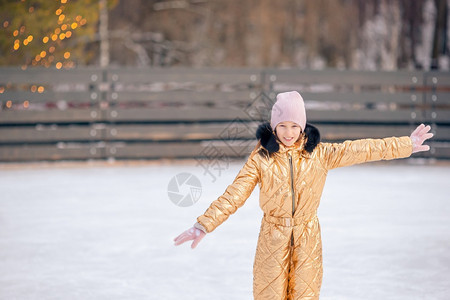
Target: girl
point(290, 165)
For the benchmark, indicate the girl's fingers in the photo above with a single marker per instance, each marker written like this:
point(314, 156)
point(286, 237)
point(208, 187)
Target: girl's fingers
point(183, 240)
point(427, 136)
point(424, 130)
point(190, 234)
point(178, 238)
point(418, 128)
point(423, 148)
point(196, 241)
point(420, 135)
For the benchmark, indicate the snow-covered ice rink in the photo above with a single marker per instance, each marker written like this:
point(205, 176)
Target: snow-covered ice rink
point(105, 231)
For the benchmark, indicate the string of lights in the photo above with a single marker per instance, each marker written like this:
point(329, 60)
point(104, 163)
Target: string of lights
point(66, 24)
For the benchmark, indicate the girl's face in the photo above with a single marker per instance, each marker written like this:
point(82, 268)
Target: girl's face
point(288, 132)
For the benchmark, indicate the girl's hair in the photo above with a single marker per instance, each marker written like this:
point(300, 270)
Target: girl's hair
point(270, 141)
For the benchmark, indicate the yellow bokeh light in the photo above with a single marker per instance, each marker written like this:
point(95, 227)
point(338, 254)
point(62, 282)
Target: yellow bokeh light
point(30, 38)
point(61, 18)
point(57, 31)
point(82, 22)
point(16, 42)
point(63, 1)
point(45, 39)
point(16, 46)
point(5, 24)
point(8, 104)
point(58, 65)
point(41, 89)
point(58, 11)
point(64, 27)
point(68, 34)
point(78, 18)
point(54, 37)
point(16, 32)
point(74, 25)
point(25, 42)
point(67, 55)
point(37, 58)
point(43, 54)
point(26, 104)
point(51, 49)
point(33, 88)
point(62, 36)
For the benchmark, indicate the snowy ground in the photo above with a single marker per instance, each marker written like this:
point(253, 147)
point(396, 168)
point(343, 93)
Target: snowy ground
point(105, 232)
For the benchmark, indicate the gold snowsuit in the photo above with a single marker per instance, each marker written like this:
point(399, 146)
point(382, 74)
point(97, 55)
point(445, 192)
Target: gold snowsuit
point(288, 260)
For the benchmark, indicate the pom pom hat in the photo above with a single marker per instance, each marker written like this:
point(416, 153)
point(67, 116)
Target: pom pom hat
point(288, 107)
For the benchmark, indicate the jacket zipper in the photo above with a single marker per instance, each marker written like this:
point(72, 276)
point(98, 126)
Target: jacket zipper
point(293, 195)
point(292, 184)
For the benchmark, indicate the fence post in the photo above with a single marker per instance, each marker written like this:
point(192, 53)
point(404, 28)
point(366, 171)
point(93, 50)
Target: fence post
point(432, 113)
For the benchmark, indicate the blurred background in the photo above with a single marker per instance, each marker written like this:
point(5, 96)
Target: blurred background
point(108, 80)
point(343, 34)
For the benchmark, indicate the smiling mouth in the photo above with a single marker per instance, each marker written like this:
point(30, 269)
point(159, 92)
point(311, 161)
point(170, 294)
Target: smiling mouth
point(288, 139)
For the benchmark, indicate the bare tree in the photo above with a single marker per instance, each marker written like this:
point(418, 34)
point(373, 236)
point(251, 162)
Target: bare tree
point(440, 33)
point(374, 34)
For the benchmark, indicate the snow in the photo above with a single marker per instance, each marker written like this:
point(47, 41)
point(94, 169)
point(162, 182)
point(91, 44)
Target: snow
point(86, 231)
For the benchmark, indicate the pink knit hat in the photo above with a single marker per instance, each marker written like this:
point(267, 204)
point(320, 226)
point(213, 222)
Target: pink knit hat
point(288, 107)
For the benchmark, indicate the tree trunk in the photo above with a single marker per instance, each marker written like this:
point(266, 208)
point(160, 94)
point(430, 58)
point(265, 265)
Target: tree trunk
point(440, 33)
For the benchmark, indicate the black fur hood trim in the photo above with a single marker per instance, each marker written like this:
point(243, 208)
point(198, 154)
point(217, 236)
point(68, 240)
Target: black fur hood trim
point(265, 134)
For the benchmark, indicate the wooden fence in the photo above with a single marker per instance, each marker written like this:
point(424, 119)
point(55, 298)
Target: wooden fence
point(131, 113)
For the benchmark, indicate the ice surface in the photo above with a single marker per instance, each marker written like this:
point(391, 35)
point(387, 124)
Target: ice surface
point(105, 232)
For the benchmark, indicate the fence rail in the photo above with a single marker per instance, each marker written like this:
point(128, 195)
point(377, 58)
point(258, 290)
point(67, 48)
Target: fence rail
point(131, 113)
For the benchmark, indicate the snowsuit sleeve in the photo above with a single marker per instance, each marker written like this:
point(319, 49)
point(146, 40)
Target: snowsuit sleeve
point(365, 150)
point(234, 196)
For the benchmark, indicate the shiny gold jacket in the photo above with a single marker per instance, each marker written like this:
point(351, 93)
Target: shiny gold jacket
point(291, 180)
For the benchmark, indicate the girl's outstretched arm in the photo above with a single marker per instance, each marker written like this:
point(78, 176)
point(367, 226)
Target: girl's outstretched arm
point(349, 153)
point(420, 135)
point(234, 197)
point(191, 234)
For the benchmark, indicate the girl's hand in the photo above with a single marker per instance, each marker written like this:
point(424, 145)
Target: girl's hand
point(418, 136)
point(191, 234)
